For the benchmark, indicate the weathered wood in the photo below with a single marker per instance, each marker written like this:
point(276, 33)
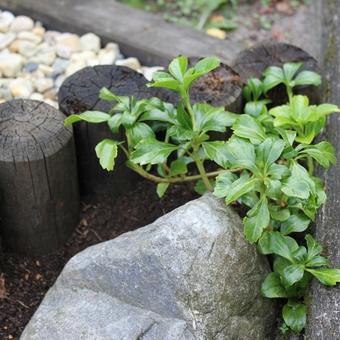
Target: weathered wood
point(252, 62)
point(79, 93)
point(39, 202)
point(324, 303)
point(140, 34)
point(221, 87)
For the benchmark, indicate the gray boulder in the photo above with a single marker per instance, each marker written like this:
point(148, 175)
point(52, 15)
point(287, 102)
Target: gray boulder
point(188, 275)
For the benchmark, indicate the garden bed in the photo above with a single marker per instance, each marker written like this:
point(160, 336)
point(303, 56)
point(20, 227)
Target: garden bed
point(25, 280)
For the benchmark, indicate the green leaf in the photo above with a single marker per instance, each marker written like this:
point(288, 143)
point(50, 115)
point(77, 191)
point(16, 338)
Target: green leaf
point(279, 214)
point(307, 78)
point(206, 65)
point(289, 70)
point(162, 188)
point(314, 248)
point(151, 151)
point(253, 90)
point(240, 187)
point(269, 151)
point(178, 167)
point(88, 116)
point(140, 131)
point(322, 152)
point(318, 261)
point(115, 122)
point(165, 80)
point(200, 187)
point(296, 223)
point(223, 183)
point(178, 67)
point(273, 77)
point(248, 127)
point(272, 287)
point(293, 273)
point(328, 277)
point(294, 315)
point(240, 153)
point(215, 151)
point(299, 184)
point(257, 221)
point(107, 151)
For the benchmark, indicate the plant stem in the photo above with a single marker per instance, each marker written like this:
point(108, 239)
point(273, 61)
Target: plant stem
point(289, 93)
point(310, 165)
point(190, 110)
point(201, 170)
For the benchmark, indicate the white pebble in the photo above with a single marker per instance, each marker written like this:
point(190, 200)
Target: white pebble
point(47, 70)
point(6, 39)
point(21, 88)
point(67, 44)
point(149, 71)
point(83, 56)
point(52, 103)
point(6, 18)
point(22, 23)
point(10, 64)
point(30, 36)
point(37, 96)
point(129, 62)
point(27, 48)
point(39, 31)
point(90, 42)
point(46, 58)
point(43, 84)
point(74, 67)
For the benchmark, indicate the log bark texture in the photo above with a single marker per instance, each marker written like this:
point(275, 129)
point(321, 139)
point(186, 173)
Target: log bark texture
point(252, 62)
point(324, 302)
point(39, 199)
point(79, 93)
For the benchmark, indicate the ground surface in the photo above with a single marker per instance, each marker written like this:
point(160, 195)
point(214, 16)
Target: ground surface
point(25, 280)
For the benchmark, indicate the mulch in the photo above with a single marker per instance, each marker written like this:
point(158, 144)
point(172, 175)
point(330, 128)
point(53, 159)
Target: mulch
point(25, 280)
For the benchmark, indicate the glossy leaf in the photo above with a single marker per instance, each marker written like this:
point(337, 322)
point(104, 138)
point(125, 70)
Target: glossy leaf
point(295, 223)
point(328, 277)
point(272, 287)
point(294, 315)
point(247, 127)
point(162, 188)
point(107, 151)
point(293, 273)
point(88, 116)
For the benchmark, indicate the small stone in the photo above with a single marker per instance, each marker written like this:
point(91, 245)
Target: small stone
point(21, 88)
point(46, 58)
point(5, 93)
point(31, 67)
point(6, 39)
point(93, 62)
point(39, 31)
point(58, 82)
point(90, 42)
point(47, 70)
point(129, 62)
point(149, 71)
point(22, 23)
point(30, 36)
point(10, 64)
point(37, 96)
point(6, 18)
point(52, 103)
point(43, 84)
point(74, 67)
point(50, 37)
point(106, 57)
point(216, 33)
point(14, 46)
point(50, 94)
point(83, 56)
point(59, 66)
point(27, 48)
point(67, 44)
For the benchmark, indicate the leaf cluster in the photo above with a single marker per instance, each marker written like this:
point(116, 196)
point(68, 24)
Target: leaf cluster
point(267, 165)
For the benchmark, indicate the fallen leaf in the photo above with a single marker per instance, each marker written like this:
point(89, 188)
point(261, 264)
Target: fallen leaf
point(216, 33)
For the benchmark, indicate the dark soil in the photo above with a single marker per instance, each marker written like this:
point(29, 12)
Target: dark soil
point(25, 280)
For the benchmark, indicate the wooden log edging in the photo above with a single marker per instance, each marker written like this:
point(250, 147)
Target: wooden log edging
point(324, 303)
point(39, 198)
point(252, 62)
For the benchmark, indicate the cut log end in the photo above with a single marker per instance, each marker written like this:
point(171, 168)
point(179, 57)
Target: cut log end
point(252, 62)
point(39, 202)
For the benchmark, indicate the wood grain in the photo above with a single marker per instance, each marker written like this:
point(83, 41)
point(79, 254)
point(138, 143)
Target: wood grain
point(39, 202)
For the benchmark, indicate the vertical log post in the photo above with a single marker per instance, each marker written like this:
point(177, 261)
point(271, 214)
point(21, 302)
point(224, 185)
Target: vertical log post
point(252, 62)
point(79, 93)
point(39, 199)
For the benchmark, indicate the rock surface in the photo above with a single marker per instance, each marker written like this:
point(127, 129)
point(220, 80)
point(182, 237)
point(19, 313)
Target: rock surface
point(188, 275)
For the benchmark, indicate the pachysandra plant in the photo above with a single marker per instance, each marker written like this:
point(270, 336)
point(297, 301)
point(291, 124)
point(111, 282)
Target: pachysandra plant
point(267, 165)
